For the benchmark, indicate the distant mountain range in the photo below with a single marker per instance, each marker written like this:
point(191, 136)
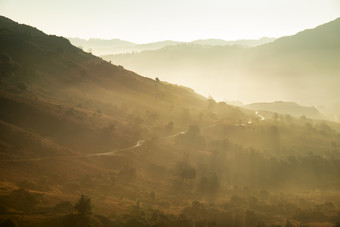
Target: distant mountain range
point(241, 42)
point(202, 67)
point(290, 108)
point(145, 152)
point(117, 46)
point(303, 68)
point(52, 89)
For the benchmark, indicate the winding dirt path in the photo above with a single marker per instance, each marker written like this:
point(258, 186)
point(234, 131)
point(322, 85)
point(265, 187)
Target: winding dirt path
point(141, 142)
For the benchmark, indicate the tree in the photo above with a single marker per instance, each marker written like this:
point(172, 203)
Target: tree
point(157, 79)
point(186, 171)
point(84, 206)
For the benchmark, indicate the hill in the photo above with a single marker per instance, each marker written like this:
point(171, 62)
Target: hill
point(145, 152)
point(117, 46)
point(55, 83)
point(211, 69)
point(290, 108)
point(241, 42)
point(302, 67)
point(102, 46)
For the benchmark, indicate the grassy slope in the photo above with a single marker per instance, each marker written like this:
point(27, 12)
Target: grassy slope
point(302, 68)
point(59, 104)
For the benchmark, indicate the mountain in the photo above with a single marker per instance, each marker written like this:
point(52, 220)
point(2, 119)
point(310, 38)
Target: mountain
point(101, 43)
point(60, 105)
point(242, 42)
point(303, 67)
point(77, 132)
point(204, 67)
point(155, 45)
point(117, 46)
point(37, 68)
point(102, 46)
point(290, 108)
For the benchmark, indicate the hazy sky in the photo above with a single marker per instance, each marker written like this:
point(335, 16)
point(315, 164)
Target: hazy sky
point(183, 20)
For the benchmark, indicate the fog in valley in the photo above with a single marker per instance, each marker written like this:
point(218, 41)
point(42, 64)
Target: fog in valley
point(288, 69)
point(192, 122)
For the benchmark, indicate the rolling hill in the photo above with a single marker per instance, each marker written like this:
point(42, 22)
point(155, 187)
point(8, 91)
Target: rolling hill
point(56, 84)
point(241, 42)
point(290, 108)
point(146, 152)
point(117, 46)
point(301, 68)
point(210, 69)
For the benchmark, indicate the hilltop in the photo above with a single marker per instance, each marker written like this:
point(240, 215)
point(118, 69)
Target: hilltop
point(147, 152)
point(117, 46)
point(290, 108)
point(202, 66)
point(301, 68)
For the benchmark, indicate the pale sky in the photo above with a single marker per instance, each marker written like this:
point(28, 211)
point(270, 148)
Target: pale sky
point(144, 21)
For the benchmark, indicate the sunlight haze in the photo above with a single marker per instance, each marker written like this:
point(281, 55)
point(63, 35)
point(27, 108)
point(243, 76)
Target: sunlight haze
point(154, 113)
point(156, 20)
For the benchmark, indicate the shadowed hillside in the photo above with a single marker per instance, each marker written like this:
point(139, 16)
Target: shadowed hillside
point(301, 68)
point(84, 142)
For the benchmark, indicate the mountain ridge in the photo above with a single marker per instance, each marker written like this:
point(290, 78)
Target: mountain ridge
point(291, 108)
point(301, 67)
point(117, 46)
point(144, 152)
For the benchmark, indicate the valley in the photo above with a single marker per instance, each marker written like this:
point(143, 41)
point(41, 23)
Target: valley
point(86, 142)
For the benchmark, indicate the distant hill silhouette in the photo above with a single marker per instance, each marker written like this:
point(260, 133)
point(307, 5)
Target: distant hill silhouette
point(242, 42)
point(201, 66)
point(302, 68)
point(145, 152)
point(290, 108)
point(102, 46)
point(117, 46)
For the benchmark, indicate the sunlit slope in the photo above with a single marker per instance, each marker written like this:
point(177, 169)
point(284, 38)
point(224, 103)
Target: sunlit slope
point(303, 67)
point(210, 69)
point(148, 153)
point(54, 89)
